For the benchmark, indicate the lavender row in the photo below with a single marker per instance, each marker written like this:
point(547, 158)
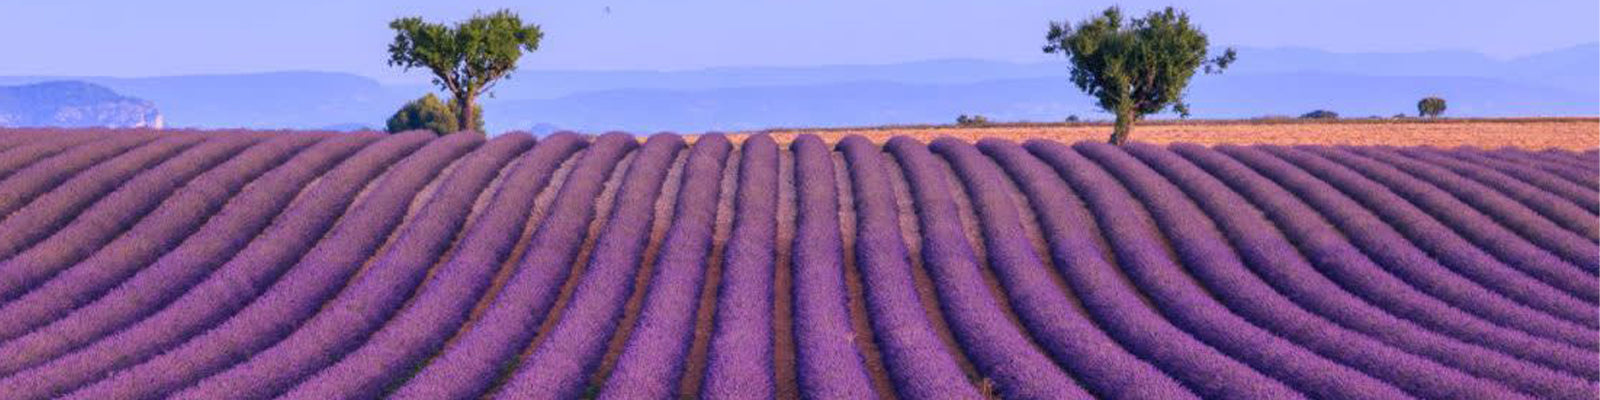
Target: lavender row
point(1219, 264)
point(443, 302)
point(1529, 263)
point(473, 361)
point(101, 265)
point(156, 284)
point(23, 186)
point(561, 365)
point(320, 273)
point(1064, 332)
point(1366, 255)
point(1583, 197)
point(652, 360)
point(829, 364)
point(374, 295)
point(13, 159)
point(1293, 268)
point(1078, 252)
point(1581, 255)
point(1549, 205)
point(1133, 235)
point(1000, 351)
point(54, 209)
point(740, 356)
point(1500, 276)
point(1584, 177)
point(919, 362)
point(229, 287)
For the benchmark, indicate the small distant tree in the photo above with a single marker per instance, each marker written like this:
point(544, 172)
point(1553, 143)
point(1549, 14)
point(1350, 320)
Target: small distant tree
point(467, 59)
point(1320, 114)
point(972, 120)
point(1135, 68)
point(1072, 118)
point(1430, 107)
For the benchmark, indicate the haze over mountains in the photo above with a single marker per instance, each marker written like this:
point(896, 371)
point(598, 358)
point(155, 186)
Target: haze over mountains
point(1264, 82)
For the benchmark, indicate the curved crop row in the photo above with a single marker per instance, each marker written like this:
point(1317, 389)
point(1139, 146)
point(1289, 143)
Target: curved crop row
point(918, 360)
point(443, 302)
point(1575, 174)
point(145, 264)
point(1379, 263)
point(739, 361)
point(1075, 342)
point(51, 211)
point(1572, 192)
point(319, 274)
point(829, 363)
point(362, 306)
point(471, 363)
point(1136, 240)
point(97, 265)
point(652, 360)
point(1263, 220)
point(572, 349)
point(23, 186)
point(1499, 288)
point(1524, 268)
point(1569, 216)
point(245, 273)
point(152, 287)
point(15, 158)
point(1000, 351)
point(1219, 265)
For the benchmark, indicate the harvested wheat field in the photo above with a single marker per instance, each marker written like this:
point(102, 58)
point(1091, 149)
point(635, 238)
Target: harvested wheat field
point(256, 265)
point(1528, 133)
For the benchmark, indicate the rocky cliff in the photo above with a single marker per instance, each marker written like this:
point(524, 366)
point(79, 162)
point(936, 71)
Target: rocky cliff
point(74, 104)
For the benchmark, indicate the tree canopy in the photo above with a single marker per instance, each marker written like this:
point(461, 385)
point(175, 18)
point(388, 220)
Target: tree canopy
point(467, 59)
point(1430, 107)
point(1138, 67)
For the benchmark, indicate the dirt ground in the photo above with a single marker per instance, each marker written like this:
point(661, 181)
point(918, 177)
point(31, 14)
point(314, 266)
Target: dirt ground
point(1532, 133)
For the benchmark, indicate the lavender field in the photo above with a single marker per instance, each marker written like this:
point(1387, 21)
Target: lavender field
point(255, 265)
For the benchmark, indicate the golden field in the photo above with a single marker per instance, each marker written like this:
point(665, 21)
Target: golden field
point(1531, 133)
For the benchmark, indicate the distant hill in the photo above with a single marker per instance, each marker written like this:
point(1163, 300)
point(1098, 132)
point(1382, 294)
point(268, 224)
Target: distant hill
point(74, 104)
point(1284, 81)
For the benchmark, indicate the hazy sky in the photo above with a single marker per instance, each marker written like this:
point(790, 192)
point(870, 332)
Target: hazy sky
point(165, 37)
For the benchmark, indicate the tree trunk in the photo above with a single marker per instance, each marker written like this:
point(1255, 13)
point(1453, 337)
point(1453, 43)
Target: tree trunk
point(1124, 127)
point(464, 114)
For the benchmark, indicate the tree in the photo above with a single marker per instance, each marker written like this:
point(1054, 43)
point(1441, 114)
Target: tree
point(1135, 68)
point(429, 113)
point(974, 120)
point(1320, 114)
point(1430, 107)
point(466, 60)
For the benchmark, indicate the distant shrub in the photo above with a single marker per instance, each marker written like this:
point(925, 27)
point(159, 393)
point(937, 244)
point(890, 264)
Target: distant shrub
point(1320, 114)
point(429, 113)
point(1430, 107)
point(972, 120)
point(1072, 118)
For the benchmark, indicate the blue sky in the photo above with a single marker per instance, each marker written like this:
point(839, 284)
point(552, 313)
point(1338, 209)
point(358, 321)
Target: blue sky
point(167, 37)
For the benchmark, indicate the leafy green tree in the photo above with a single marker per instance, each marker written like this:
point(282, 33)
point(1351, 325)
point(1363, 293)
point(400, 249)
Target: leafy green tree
point(1430, 107)
point(1135, 68)
point(467, 59)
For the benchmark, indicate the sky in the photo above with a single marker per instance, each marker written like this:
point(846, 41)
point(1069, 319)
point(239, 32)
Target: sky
point(173, 37)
